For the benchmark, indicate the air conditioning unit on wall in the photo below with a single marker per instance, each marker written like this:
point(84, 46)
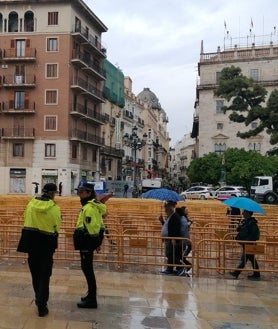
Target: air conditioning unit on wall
point(18, 79)
point(4, 66)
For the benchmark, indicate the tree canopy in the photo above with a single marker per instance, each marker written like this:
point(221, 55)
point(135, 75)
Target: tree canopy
point(240, 167)
point(205, 169)
point(246, 98)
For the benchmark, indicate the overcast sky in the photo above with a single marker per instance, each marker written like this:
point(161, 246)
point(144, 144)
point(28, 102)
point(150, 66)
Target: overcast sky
point(157, 43)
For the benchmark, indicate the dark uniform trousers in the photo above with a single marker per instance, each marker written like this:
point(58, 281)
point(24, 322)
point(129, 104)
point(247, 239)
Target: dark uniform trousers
point(88, 270)
point(40, 264)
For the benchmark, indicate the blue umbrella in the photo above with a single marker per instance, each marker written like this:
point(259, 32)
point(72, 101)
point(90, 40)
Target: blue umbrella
point(162, 194)
point(245, 203)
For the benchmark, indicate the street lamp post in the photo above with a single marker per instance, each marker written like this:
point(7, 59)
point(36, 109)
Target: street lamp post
point(222, 180)
point(134, 142)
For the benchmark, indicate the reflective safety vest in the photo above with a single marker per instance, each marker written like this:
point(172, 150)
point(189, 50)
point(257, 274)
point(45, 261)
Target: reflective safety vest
point(91, 216)
point(43, 215)
point(42, 221)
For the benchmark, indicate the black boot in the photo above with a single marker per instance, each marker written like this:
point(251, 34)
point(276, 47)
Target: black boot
point(42, 311)
point(89, 301)
point(85, 297)
point(255, 276)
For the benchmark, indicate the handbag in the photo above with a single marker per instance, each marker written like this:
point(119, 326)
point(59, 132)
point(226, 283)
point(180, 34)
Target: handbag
point(83, 240)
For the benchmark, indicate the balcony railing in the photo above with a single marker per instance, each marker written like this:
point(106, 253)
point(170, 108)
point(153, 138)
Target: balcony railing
point(87, 64)
point(14, 54)
point(11, 81)
point(213, 85)
point(90, 39)
point(141, 123)
point(112, 151)
point(13, 107)
point(128, 115)
point(86, 137)
point(18, 133)
point(88, 113)
point(238, 53)
point(88, 88)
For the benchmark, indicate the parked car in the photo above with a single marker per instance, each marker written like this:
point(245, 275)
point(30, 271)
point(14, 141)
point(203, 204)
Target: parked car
point(198, 192)
point(226, 192)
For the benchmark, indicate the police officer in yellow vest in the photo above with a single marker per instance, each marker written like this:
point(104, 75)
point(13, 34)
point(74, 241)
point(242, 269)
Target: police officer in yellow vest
point(90, 217)
point(39, 238)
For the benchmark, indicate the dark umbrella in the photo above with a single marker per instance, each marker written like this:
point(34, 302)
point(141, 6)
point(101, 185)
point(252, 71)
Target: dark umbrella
point(162, 194)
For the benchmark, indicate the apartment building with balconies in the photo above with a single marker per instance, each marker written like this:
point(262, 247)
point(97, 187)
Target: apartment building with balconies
point(134, 161)
point(111, 155)
point(51, 92)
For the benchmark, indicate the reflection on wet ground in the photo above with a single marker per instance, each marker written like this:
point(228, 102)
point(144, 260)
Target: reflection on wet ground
point(136, 300)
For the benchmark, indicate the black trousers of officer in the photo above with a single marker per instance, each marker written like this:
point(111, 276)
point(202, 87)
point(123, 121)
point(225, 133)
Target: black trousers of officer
point(87, 267)
point(40, 265)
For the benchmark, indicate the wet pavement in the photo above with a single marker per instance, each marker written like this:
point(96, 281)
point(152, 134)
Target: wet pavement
point(136, 300)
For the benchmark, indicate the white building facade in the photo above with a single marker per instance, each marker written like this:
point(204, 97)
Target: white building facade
point(212, 128)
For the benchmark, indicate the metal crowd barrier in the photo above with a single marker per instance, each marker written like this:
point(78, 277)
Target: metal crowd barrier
point(135, 244)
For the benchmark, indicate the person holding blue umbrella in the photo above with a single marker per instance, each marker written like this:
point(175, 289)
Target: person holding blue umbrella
point(171, 228)
point(248, 230)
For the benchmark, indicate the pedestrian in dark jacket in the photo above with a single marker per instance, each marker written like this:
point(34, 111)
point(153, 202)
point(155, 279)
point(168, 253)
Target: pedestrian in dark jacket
point(125, 191)
point(39, 238)
point(171, 228)
point(248, 230)
point(186, 244)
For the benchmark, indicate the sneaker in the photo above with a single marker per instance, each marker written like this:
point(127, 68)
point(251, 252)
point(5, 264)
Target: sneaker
point(180, 272)
point(254, 277)
point(43, 311)
point(183, 272)
point(234, 274)
point(167, 272)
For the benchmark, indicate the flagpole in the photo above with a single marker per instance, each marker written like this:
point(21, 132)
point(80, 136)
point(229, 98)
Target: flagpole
point(225, 28)
point(263, 30)
point(239, 31)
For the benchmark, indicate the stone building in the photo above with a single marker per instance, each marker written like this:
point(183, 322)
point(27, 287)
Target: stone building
point(182, 154)
point(155, 118)
point(145, 113)
point(212, 129)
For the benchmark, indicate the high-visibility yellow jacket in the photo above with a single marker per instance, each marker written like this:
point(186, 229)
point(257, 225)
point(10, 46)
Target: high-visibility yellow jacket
point(90, 216)
point(42, 221)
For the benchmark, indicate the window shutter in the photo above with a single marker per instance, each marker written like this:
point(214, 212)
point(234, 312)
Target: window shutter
point(12, 48)
point(26, 101)
point(11, 100)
